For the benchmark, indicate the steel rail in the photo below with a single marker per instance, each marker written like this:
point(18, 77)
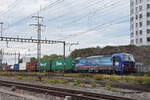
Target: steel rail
point(61, 92)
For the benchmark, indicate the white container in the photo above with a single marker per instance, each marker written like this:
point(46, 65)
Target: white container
point(12, 67)
point(22, 66)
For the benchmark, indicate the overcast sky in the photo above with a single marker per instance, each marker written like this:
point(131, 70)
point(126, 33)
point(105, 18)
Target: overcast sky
point(90, 22)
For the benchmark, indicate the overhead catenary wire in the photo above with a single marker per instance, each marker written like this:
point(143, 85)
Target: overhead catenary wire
point(102, 11)
point(78, 10)
point(42, 9)
point(104, 25)
point(10, 7)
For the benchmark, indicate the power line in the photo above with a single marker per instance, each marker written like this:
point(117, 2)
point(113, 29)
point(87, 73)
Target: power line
point(61, 16)
point(50, 5)
point(10, 7)
point(113, 22)
point(104, 12)
point(68, 6)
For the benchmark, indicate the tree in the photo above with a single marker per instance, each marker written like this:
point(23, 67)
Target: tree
point(33, 59)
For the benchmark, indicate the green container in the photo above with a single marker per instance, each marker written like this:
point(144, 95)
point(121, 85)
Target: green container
point(44, 65)
point(57, 64)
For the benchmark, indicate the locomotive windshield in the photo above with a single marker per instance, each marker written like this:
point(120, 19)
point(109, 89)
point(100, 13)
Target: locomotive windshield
point(128, 57)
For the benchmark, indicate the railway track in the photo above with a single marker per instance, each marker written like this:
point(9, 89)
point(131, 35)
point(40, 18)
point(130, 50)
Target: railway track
point(61, 92)
point(136, 87)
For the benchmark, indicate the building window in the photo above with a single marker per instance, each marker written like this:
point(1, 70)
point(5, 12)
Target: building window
point(136, 32)
point(148, 22)
point(148, 6)
point(148, 39)
point(132, 26)
point(136, 24)
point(136, 1)
point(132, 3)
point(140, 24)
point(141, 32)
point(141, 40)
point(136, 41)
point(132, 34)
point(132, 19)
point(136, 9)
point(136, 17)
point(148, 14)
point(148, 31)
point(132, 11)
point(141, 1)
point(140, 8)
point(140, 16)
point(132, 41)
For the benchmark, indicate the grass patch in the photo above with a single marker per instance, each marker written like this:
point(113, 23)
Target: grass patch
point(113, 78)
point(115, 89)
point(56, 81)
point(93, 84)
point(99, 76)
point(108, 86)
point(71, 75)
point(18, 77)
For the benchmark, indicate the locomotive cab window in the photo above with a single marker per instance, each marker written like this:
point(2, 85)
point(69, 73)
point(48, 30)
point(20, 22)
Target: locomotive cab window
point(116, 59)
point(76, 61)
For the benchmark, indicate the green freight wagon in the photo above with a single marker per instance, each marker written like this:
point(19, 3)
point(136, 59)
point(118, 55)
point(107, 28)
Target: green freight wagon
point(44, 65)
point(57, 64)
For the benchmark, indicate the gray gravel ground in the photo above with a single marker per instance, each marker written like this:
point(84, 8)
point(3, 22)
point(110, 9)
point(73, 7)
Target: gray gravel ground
point(8, 97)
point(121, 92)
point(7, 94)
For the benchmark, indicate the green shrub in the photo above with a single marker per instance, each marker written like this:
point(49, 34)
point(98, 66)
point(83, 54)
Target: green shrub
point(93, 84)
point(108, 86)
point(77, 82)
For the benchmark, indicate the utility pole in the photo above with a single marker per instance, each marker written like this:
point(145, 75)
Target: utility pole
point(18, 57)
point(15, 57)
point(38, 25)
point(64, 56)
point(1, 23)
point(71, 44)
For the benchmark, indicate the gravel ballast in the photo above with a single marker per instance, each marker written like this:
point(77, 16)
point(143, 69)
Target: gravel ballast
point(119, 92)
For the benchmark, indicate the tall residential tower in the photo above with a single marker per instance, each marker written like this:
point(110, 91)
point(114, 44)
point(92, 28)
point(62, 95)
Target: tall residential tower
point(140, 22)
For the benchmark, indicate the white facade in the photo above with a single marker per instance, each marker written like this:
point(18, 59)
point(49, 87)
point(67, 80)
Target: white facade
point(140, 22)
